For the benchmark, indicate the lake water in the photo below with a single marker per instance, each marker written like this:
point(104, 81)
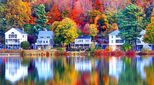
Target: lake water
point(77, 71)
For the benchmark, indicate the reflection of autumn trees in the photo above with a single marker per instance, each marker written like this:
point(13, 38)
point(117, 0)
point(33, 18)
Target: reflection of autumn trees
point(64, 74)
point(150, 74)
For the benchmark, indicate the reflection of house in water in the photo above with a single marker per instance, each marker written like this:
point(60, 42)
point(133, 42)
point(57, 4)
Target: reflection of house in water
point(83, 64)
point(44, 68)
point(115, 67)
point(14, 71)
point(141, 63)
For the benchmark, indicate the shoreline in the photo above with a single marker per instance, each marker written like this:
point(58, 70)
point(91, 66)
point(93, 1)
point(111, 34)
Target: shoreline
point(56, 53)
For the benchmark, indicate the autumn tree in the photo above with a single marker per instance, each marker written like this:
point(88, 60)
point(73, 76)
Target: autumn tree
point(3, 25)
point(66, 32)
point(54, 14)
point(130, 23)
point(91, 15)
point(17, 13)
point(149, 35)
point(98, 5)
point(101, 22)
point(77, 13)
point(90, 30)
point(54, 25)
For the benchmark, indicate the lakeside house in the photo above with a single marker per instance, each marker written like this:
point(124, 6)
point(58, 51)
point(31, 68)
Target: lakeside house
point(45, 40)
point(14, 71)
point(14, 37)
point(116, 41)
point(82, 42)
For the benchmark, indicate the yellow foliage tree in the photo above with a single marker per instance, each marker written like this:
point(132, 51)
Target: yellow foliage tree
point(149, 75)
point(149, 35)
point(66, 32)
point(93, 30)
point(54, 25)
point(18, 12)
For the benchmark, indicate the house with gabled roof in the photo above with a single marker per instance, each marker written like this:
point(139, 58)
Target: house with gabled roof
point(45, 40)
point(14, 37)
point(116, 41)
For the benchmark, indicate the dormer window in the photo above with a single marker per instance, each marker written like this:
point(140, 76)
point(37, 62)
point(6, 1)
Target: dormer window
point(12, 33)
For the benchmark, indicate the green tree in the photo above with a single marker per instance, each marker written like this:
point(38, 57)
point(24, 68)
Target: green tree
point(130, 23)
point(41, 18)
point(126, 46)
point(149, 35)
point(25, 45)
point(2, 22)
point(66, 32)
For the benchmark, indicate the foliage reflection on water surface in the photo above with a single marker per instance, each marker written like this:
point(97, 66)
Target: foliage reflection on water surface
point(83, 71)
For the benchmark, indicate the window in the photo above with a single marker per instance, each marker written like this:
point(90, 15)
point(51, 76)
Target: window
point(119, 41)
point(12, 33)
point(40, 41)
point(112, 36)
point(138, 41)
point(117, 36)
point(41, 37)
point(46, 41)
point(43, 41)
point(9, 36)
point(15, 36)
point(48, 36)
point(23, 36)
point(112, 41)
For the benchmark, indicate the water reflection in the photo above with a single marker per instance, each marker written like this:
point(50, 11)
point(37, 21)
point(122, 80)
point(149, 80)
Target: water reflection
point(77, 71)
point(14, 71)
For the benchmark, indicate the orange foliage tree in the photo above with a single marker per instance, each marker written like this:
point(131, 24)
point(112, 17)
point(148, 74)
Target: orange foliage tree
point(18, 12)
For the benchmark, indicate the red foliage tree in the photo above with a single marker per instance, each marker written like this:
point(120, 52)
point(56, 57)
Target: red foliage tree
point(77, 13)
point(54, 14)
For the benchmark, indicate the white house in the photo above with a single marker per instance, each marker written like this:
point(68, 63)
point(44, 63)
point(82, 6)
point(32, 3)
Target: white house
point(45, 40)
point(44, 68)
point(82, 41)
point(14, 71)
point(14, 37)
point(116, 41)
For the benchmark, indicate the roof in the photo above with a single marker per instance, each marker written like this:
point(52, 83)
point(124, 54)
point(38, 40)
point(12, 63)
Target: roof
point(84, 37)
point(17, 29)
point(142, 32)
point(116, 32)
point(21, 31)
point(46, 33)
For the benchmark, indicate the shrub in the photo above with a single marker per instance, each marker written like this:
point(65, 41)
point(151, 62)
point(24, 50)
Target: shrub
point(25, 45)
point(126, 47)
